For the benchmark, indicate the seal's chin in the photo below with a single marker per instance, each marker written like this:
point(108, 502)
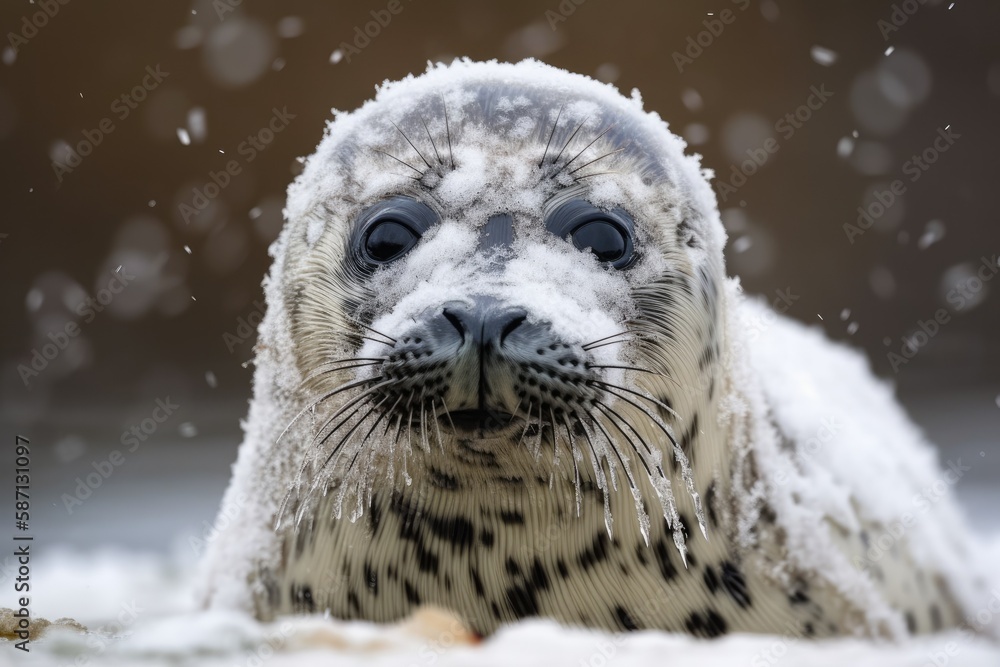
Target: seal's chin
point(480, 422)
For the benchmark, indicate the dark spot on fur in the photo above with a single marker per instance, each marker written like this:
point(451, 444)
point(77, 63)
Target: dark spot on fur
point(411, 593)
point(486, 537)
point(625, 619)
point(539, 577)
point(512, 567)
point(375, 515)
point(710, 500)
point(767, 514)
point(512, 517)
point(711, 580)
point(302, 598)
point(457, 531)
point(708, 625)
point(597, 552)
point(522, 601)
point(561, 566)
point(442, 480)
point(640, 554)
point(808, 629)
point(477, 582)
point(735, 584)
point(798, 597)
point(371, 578)
point(495, 608)
point(667, 569)
point(354, 603)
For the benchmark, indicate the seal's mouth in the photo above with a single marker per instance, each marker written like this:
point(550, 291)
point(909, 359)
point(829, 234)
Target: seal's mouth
point(478, 420)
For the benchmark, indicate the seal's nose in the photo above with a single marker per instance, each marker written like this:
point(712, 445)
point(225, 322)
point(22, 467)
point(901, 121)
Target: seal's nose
point(486, 322)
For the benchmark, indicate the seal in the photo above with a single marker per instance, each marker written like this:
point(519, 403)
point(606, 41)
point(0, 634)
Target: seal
point(502, 372)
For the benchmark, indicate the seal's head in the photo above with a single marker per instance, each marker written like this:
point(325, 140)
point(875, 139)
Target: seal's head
point(488, 258)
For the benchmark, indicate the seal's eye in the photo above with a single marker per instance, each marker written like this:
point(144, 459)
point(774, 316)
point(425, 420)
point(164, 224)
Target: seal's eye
point(607, 234)
point(388, 230)
point(389, 239)
point(604, 238)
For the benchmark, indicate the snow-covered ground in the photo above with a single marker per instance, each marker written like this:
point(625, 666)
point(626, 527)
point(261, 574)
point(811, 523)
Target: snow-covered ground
point(140, 612)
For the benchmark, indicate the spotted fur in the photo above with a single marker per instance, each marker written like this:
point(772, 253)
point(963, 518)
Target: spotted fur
point(503, 527)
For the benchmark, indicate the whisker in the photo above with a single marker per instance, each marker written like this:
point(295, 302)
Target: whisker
point(576, 466)
point(597, 159)
point(570, 140)
point(448, 414)
point(527, 423)
point(433, 145)
point(598, 173)
point(651, 399)
point(610, 342)
point(625, 368)
point(551, 134)
point(602, 480)
point(374, 331)
point(541, 427)
point(599, 340)
point(412, 146)
point(358, 404)
point(605, 131)
point(614, 447)
point(437, 426)
point(447, 129)
point(555, 442)
point(352, 431)
point(614, 414)
point(402, 162)
point(334, 392)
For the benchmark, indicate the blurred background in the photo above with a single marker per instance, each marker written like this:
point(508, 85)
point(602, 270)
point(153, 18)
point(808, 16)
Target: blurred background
point(130, 277)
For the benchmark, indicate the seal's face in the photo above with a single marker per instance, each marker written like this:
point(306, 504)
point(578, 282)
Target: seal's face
point(483, 263)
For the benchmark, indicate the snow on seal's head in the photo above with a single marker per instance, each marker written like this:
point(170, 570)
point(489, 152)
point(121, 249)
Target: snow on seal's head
point(481, 253)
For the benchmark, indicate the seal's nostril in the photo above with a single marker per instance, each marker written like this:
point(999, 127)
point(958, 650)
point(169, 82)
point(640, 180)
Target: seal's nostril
point(509, 328)
point(455, 322)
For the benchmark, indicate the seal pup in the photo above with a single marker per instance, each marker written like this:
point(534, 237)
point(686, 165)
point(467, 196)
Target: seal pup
point(502, 372)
